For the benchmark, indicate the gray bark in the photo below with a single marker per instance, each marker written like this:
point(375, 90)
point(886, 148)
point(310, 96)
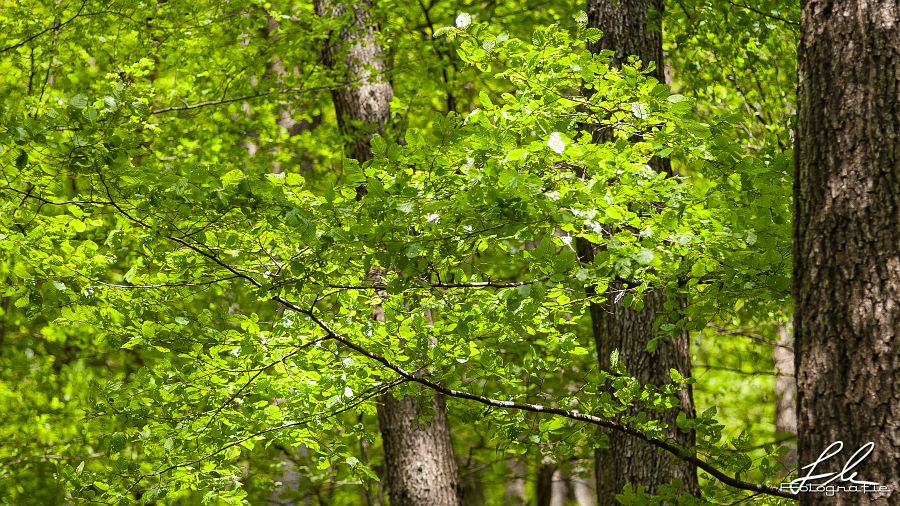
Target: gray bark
point(363, 103)
point(582, 491)
point(556, 488)
point(847, 241)
point(633, 27)
point(786, 394)
point(420, 468)
point(514, 492)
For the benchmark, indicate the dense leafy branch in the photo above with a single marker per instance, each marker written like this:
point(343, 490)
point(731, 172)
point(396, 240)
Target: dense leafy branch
point(765, 14)
point(57, 24)
point(677, 451)
point(375, 392)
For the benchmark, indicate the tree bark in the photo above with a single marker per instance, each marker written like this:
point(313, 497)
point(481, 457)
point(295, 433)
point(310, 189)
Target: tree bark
point(847, 241)
point(628, 460)
point(544, 484)
point(630, 27)
point(514, 492)
point(363, 103)
point(420, 468)
point(634, 27)
point(786, 394)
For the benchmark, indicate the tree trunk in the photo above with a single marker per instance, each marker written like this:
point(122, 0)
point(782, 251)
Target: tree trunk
point(583, 491)
point(514, 492)
point(363, 103)
point(559, 490)
point(420, 468)
point(786, 394)
point(544, 485)
point(628, 460)
point(556, 488)
point(847, 241)
point(633, 27)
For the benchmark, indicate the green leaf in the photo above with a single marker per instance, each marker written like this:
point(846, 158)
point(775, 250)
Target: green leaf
point(22, 160)
point(581, 18)
point(117, 442)
point(79, 101)
point(675, 376)
point(485, 100)
point(644, 256)
point(639, 110)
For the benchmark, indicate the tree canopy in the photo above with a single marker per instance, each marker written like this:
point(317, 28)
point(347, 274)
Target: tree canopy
point(191, 254)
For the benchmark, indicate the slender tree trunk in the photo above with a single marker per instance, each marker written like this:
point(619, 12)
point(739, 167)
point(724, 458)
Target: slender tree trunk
point(786, 393)
point(420, 468)
point(544, 484)
point(560, 492)
point(847, 241)
point(633, 27)
point(556, 488)
point(514, 492)
point(582, 491)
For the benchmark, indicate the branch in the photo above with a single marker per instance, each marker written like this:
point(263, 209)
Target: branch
point(258, 373)
point(405, 376)
point(676, 450)
point(741, 371)
point(474, 284)
point(210, 103)
point(162, 285)
point(55, 26)
point(750, 335)
point(765, 14)
point(320, 415)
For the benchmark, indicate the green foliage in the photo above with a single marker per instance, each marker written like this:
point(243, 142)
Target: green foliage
point(181, 242)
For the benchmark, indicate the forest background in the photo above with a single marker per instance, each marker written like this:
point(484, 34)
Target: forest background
point(446, 252)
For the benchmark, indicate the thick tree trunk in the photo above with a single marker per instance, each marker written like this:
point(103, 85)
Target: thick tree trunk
point(420, 468)
point(627, 459)
point(630, 27)
point(634, 27)
point(847, 241)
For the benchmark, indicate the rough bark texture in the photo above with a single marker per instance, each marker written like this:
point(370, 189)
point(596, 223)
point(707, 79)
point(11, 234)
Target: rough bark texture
point(362, 104)
point(847, 240)
point(630, 27)
point(786, 394)
point(420, 468)
point(629, 460)
point(633, 27)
